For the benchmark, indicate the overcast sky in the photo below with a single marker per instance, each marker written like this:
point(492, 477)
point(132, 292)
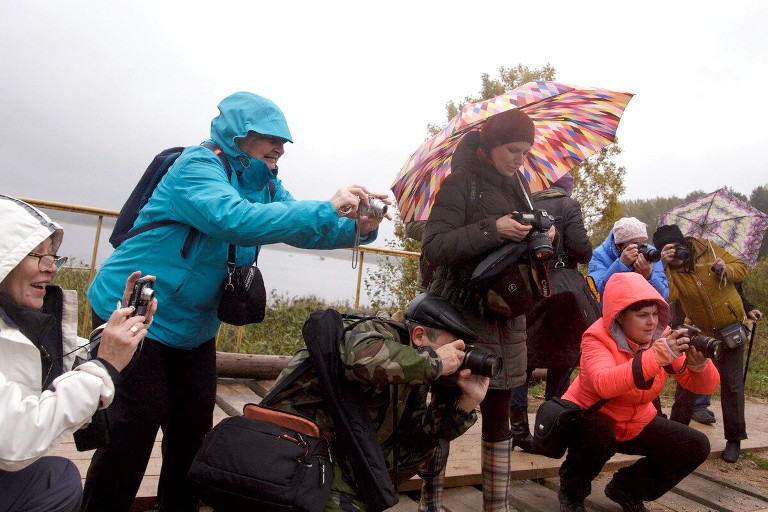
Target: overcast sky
point(91, 91)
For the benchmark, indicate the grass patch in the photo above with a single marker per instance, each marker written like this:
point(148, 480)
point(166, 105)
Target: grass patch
point(761, 462)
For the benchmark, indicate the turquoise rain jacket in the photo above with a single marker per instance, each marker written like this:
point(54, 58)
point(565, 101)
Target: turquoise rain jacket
point(605, 262)
point(236, 210)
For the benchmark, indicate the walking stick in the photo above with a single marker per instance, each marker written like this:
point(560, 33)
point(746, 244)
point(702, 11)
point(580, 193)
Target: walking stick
point(749, 351)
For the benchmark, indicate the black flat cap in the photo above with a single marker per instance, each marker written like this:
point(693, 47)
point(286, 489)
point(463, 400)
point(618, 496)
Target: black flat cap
point(437, 312)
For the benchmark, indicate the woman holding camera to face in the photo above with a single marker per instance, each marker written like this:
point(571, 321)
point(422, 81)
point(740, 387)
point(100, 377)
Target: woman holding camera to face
point(44, 394)
point(626, 356)
point(470, 218)
point(703, 277)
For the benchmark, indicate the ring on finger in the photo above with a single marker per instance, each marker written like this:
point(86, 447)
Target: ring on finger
point(134, 329)
point(344, 210)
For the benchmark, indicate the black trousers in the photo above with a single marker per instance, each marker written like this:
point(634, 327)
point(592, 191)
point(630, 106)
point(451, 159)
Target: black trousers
point(671, 452)
point(50, 484)
point(168, 388)
point(731, 368)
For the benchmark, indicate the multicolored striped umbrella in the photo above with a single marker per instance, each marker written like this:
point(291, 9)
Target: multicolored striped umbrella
point(724, 219)
point(572, 123)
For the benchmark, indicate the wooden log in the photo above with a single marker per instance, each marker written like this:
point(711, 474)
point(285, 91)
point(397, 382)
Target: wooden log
point(249, 366)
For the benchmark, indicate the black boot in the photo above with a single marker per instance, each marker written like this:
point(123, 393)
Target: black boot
point(521, 433)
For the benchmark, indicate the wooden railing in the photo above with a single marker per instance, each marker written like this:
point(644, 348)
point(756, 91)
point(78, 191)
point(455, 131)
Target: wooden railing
point(102, 213)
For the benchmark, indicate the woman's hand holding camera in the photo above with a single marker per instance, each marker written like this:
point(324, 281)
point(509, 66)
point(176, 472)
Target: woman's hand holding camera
point(510, 229)
point(347, 202)
point(123, 332)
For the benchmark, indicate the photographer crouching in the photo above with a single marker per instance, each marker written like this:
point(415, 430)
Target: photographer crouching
point(391, 367)
point(625, 358)
point(45, 395)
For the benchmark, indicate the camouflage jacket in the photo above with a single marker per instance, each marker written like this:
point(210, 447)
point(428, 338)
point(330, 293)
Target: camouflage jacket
point(374, 356)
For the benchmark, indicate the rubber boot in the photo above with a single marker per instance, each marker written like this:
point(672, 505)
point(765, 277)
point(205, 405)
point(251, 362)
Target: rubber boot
point(495, 463)
point(432, 474)
point(521, 433)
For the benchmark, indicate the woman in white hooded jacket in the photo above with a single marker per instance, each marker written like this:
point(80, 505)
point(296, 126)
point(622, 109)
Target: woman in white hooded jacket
point(43, 397)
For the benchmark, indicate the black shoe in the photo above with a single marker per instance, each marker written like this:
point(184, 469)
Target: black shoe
point(703, 417)
point(568, 504)
point(731, 452)
point(521, 433)
point(628, 502)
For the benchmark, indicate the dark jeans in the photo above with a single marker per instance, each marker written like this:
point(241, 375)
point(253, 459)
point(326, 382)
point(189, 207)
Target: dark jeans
point(731, 368)
point(671, 452)
point(168, 388)
point(557, 382)
point(50, 484)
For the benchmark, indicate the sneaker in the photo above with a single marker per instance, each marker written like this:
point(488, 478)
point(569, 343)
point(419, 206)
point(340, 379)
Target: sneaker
point(731, 452)
point(568, 504)
point(703, 417)
point(628, 502)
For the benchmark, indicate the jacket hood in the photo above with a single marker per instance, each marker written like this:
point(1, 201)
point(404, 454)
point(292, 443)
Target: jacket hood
point(243, 112)
point(624, 289)
point(24, 227)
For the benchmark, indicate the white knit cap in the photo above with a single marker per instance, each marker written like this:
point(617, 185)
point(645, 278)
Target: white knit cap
point(628, 228)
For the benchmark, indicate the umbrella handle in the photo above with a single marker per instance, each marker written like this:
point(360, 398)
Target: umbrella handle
point(749, 352)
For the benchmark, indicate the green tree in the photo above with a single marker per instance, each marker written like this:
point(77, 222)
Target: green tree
point(759, 199)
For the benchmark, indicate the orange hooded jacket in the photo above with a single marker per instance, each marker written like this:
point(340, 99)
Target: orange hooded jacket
point(606, 362)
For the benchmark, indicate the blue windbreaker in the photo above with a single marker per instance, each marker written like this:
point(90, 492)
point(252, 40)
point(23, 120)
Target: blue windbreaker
point(605, 262)
point(196, 192)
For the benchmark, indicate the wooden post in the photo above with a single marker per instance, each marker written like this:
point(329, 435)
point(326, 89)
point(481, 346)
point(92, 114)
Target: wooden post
point(84, 325)
point(360, 258)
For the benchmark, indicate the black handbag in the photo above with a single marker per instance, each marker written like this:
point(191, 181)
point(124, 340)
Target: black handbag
point(555, 421)
point(734, 334)
point(243, 298)
point(266, 460)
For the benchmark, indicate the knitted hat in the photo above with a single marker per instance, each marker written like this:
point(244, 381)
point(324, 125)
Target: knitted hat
point(511, 126)
point(669, 234)
point(438, 312)
point(628, 228)
point(565, 183)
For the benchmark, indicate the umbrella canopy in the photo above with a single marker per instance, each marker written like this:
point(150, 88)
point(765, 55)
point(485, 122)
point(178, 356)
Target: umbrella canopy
point(572, 123)
point(724, 219)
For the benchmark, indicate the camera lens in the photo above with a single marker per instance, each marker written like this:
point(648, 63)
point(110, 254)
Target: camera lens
point(710, 347)
point(651, 255)
point(539, 246)
point(376, 208)
point(482, 363)
point(682, 252)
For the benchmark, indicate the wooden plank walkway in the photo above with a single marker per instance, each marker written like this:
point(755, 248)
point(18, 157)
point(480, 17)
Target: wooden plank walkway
point(535, 477)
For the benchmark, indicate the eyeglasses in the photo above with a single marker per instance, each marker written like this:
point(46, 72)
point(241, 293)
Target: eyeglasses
point(47, 261)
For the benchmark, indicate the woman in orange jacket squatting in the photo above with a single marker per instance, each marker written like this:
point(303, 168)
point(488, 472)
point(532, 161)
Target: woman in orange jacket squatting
point(626, 356)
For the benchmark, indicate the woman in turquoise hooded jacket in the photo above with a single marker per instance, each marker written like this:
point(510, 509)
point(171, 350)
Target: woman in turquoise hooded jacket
point(173, 383)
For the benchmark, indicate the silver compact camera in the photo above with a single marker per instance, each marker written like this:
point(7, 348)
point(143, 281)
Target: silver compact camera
point(376, 208)
point(141, 296)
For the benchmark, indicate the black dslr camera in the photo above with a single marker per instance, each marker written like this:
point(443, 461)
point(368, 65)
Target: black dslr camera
point(710, 347)
point(682, 252)
point(481, 362)
point(141, 296)
point(651, 255)
point(539, 246)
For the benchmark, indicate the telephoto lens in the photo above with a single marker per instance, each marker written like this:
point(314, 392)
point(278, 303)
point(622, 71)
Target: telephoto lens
point(710, 347)
point(481, 362)
point(651, 255)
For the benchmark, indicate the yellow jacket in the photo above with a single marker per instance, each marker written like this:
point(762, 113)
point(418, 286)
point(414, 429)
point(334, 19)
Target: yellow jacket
point(710, 301)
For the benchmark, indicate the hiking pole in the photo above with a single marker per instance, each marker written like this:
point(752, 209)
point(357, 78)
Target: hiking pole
point(749, 351)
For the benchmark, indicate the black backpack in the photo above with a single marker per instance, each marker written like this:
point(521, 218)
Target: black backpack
point(124, 227)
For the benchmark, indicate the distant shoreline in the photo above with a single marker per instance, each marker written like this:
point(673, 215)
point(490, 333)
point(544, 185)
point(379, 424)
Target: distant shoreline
point(340, 254)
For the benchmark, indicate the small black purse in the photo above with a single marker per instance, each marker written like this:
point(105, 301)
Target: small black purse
point(555, 421)
point(243, 298)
